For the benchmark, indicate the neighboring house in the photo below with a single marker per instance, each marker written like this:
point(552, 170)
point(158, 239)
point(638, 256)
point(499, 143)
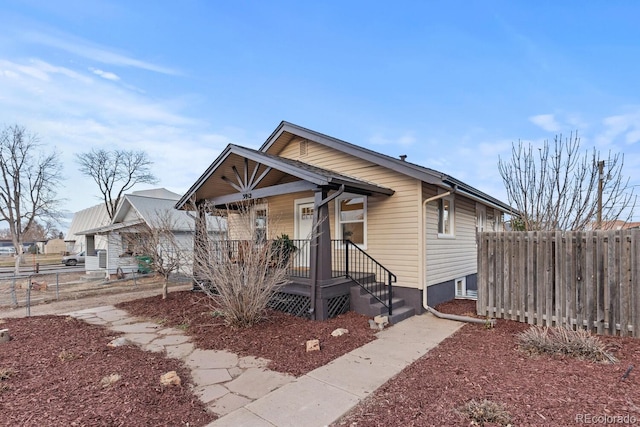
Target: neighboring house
point(136, 209)
point(86, 219)
point(54, 246)
point(410, 225)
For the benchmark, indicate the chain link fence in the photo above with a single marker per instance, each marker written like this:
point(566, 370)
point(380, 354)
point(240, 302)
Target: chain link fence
point(38, 288)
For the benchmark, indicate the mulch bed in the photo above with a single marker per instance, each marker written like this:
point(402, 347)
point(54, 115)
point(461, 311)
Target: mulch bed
point(52, 370)
point(55, 366)
point(281, 338)
point(479, 363)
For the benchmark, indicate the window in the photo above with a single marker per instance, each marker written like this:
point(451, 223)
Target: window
point(260, 223)
point(445, 216)
point(461, 287)
point(351, 218)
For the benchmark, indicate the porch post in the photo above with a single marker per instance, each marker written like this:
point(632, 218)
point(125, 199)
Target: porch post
point(320, 252)
point(199, 239)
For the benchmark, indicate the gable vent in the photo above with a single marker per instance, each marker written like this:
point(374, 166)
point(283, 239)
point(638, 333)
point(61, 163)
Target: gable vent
point(303, 147)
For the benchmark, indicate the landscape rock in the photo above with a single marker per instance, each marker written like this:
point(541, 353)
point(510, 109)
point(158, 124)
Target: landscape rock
point(4, 335)
point(118, 342)
point(170, 378)
point(313, 345)
point(339, 332)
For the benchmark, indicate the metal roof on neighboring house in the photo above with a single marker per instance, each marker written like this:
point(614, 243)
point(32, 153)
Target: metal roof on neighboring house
point(148, 207)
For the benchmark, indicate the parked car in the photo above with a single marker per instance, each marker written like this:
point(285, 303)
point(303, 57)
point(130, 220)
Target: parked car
point(74, 259)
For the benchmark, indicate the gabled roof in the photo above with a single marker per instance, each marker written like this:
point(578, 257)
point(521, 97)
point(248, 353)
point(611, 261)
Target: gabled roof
point(303, 171)
point(148, 205)
point(268, 155)
point(111, 227)
point(286, 132)
point(93, 217)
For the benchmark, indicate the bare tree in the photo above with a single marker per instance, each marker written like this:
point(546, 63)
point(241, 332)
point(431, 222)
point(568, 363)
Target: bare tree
point(242, 271)
point(116, 172)
point(29, 181)
point(559, 187)
point(158, 241)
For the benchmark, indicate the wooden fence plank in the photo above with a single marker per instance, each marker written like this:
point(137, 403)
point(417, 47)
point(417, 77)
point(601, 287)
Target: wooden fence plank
point(625, 284)
point(577, 241)
point(578, 279)
point(611, 288)
point(590, 280)
point(635, 282)
point(522, 274)
point(530, 277)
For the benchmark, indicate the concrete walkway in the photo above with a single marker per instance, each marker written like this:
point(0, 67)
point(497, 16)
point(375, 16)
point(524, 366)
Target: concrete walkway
point(244, 393)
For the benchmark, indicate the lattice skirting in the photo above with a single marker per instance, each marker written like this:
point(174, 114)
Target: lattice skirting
point(299, 305)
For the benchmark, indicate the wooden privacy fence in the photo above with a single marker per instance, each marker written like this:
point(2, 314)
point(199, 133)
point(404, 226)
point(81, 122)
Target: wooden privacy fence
point(580, 279)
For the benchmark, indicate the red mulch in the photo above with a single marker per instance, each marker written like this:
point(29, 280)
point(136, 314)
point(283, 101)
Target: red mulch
point(479, 363)
point(56, 365)
point(281, 338)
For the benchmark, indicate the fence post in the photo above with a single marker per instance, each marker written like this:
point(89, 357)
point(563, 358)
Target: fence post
point(29, 298)
point(57, 286)
point(14, 298)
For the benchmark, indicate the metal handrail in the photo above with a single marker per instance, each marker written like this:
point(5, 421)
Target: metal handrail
point(360, 267)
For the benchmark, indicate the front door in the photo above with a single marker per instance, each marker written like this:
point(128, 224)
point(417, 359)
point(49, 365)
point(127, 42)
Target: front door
point(304, 231)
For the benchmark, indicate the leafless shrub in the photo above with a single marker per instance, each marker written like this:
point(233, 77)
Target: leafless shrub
point(157, 240)
point(563, 341)
point(241, 271)
point(485, 411)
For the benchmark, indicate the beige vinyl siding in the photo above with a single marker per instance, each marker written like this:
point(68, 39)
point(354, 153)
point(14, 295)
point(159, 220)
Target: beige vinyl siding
point(392, 221)
point(449, 258)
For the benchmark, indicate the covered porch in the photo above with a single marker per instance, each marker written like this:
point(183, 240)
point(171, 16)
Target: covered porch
point(323, 269)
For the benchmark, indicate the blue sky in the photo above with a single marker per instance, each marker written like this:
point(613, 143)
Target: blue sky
point(450, 83)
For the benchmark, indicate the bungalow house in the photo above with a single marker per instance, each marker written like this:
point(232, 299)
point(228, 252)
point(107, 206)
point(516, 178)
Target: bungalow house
point(135, 210)
point(377, 234)
point(86, 219)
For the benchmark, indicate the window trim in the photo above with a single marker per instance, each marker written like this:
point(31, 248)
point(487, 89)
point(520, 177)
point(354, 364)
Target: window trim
point(338, 222)
point(254, 219)
point(463, 281)
point(452, 229)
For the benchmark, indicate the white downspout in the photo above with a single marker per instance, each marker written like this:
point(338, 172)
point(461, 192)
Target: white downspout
point(425, 305)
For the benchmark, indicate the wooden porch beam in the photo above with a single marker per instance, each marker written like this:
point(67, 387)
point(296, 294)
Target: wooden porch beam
point(275, 190)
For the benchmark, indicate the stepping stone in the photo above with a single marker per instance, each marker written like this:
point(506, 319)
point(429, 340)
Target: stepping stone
point(211, 392)
point(228, 403)
point(211, 359)
point(141, 339)
point(171, 340)
point(253, 362)
point(204, 377)
point(255, 382)
point(179, 351)
point(140, 328)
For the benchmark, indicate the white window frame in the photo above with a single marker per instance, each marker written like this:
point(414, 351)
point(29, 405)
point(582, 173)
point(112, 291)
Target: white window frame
point(339, 223)
point(254, 218)
point(463, 282)
point(452, 229)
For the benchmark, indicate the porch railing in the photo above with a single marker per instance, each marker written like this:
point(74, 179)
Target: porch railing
point(353, 262)
point(348, 260)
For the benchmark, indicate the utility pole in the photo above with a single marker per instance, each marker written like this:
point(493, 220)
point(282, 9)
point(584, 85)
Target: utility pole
point(600, 182)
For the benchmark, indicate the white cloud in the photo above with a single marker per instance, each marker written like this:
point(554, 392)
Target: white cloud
point(404, 140)
point(105, 74)
point(625, 127)
point(85, 49)
point(546, 122)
